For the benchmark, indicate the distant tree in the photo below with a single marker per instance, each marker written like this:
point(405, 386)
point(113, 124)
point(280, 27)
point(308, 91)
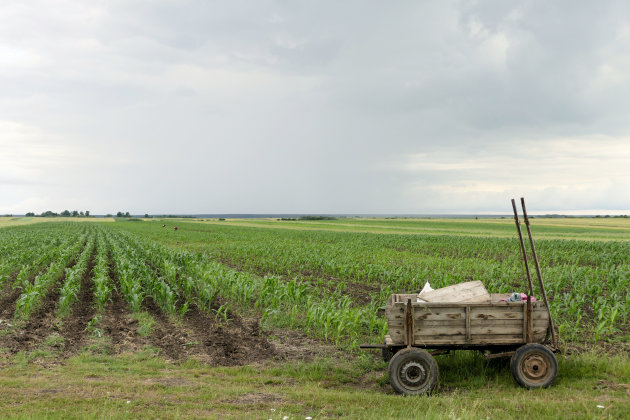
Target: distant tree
point(65, 213)
point(30, 214)
point(146, 216)
point(108, 215)
point(87, 213)
point(75, 213)
point(81, 213)
point(49, 213)
point(127, 214)
point(119, 214)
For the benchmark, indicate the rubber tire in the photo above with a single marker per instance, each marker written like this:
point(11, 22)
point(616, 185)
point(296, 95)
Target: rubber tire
point(422, 365)
point(534, 366)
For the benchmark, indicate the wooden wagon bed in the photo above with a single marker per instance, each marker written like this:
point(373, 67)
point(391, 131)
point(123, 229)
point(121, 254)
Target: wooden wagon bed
point(473, 325)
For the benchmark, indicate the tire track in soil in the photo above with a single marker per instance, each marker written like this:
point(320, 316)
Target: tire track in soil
point(74, 326)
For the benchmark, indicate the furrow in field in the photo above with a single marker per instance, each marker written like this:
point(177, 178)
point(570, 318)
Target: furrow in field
point(8, 297)
point(76, 324)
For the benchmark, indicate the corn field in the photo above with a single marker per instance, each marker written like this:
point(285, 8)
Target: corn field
point(327, 283)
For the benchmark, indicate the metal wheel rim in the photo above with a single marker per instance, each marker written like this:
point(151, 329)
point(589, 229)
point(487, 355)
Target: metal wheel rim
point(535, 367)
point(413, 375)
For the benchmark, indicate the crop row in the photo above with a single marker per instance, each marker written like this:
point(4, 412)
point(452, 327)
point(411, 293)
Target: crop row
point(145, 272)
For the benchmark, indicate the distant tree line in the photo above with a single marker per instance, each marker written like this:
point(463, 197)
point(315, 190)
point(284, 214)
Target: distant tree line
point(65, 213)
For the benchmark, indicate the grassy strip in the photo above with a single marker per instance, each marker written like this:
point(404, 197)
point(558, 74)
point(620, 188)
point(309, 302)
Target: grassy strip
point(142, 385)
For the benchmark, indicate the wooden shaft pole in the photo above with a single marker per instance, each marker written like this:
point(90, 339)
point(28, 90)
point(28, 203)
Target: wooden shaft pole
point(528, 327)
point(539, 274)
point(520, 238)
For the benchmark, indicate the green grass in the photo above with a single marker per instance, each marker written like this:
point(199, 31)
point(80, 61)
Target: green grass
point(143, 385)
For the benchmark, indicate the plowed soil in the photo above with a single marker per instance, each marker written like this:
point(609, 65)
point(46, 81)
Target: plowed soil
point(197, 335)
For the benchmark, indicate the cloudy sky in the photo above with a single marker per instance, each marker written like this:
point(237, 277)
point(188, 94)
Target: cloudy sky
point(314, 107)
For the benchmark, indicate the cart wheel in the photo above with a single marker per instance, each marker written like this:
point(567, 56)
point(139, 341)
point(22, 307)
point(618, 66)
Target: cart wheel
point(534, 366)
point(387, 353)
point(413, 372)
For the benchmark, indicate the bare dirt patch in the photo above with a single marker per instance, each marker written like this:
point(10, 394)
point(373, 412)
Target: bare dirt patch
point(202, 337)
point(296, 345)
point(40, 325)
point(255, 398)
point(8, 297)
point(117, 324)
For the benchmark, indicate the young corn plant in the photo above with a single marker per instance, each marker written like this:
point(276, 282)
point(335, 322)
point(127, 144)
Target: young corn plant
point(72, 286)
point(33, 293)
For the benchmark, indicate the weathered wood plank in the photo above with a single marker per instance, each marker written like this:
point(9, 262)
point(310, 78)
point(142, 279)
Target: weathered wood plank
point(500, 329)
point(430, 323)
point(515, 312)
point(442, 330)
point(525, 320)
point(468, 334)
point(540, 323)
point(439, 313)
point(460, 304)
point(453, 339)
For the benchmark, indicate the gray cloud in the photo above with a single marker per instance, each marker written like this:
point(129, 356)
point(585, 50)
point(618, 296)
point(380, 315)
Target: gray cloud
point(277, 106)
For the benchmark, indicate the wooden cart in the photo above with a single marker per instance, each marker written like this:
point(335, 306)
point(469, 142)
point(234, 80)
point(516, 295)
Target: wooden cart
point(420, 330)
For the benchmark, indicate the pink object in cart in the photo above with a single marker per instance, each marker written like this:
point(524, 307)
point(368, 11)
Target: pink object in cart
point(514, 298)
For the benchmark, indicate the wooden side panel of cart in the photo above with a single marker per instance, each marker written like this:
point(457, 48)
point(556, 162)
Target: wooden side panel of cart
point(472, 324)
